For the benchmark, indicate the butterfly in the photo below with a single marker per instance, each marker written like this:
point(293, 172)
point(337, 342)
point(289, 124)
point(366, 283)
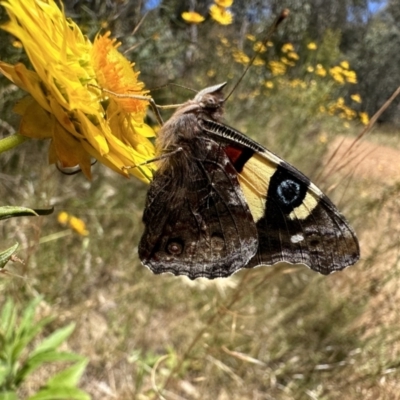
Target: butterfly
point(220, 202)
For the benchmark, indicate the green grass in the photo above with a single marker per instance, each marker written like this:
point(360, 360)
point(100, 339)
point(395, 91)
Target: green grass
point(269, 333)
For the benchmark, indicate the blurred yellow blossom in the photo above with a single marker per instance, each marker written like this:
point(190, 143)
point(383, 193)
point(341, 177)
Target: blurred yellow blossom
point(310, 68)
point(356, 97)
point(251, 37)
point(277, 67)
point(241, 57)
point(293, 55)
point(351, 76)
point(287, 62)
point(192, 17)
point(62, 218)
point(312, 46)
point(287, 47)
point(17, 44)
point(224, 41)
point(345, 64)
point(223, 3)
point(260, 47)
point(320, 70)
point(221, 15)
point(337, 74)
point(258, 62)
point(364, 118)
point(74, 223)
point(323, 138)
point(62, 106)
point(269, 84)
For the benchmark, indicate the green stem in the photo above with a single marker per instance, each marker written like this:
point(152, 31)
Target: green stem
point(11, 141)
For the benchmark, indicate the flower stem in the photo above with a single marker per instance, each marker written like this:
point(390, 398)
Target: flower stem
point(11, 141)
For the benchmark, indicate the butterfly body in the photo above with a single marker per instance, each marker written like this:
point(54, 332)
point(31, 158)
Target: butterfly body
point(220, 202)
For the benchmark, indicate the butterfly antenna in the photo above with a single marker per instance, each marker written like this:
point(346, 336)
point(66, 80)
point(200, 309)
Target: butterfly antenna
point(282, 16)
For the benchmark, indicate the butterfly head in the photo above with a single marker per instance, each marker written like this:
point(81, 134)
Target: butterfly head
point(211, 100)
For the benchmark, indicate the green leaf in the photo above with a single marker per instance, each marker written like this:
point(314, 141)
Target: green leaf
point(27, 329)
point(35, 362)
point(11, 211)
point(68, 377)
point(5, 255)
point(54, 340)
point(7, 318)
point(8, 396)
point(60, 393)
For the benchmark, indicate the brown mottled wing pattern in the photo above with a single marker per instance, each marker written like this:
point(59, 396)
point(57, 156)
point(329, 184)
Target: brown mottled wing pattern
point(197, 222)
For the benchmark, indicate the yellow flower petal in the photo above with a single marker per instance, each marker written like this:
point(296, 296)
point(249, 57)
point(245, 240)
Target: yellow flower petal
point(36, 122)
point(192, 17)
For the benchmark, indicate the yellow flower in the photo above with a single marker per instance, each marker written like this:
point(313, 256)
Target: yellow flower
point(287, 47)
point(259, 47)
point(62, 218)
point(192, 17)
point(78, 226)
point(351, 76)
point(337, 74)
point(211, 73)
point(17, 44)
point(293, 55)
point(364, 118)
point(310, 68)
point(323, 138)
point(251, 37)
point(277, 67)
point(340, 102)
point(312, 46)
point(221, 15)
point(320, 70)
point(284, 60)
point(258, 62)
point(356, 97)
point(269, 84)
point(224, 41)
point(74, 223)
point(345, 64)
point(241, 57)
point(65, 103)
point(223, 3)
point(297, 82)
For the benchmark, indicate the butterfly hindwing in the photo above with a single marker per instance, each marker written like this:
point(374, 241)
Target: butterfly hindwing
point(197, 221)
point(295, 221)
